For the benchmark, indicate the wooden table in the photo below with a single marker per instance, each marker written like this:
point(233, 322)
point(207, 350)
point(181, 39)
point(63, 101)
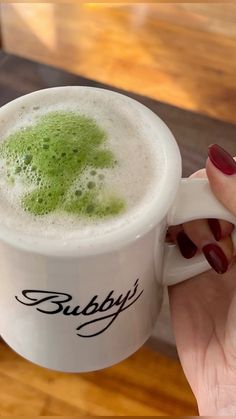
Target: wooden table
point(179, 53)
point(147, 383)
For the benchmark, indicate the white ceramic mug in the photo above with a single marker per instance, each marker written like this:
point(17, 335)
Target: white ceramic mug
point(88, 305)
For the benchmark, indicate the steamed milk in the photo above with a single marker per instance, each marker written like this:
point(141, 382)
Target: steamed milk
point(75, 164)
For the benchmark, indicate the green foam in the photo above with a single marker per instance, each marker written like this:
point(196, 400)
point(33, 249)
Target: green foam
point(54, 153)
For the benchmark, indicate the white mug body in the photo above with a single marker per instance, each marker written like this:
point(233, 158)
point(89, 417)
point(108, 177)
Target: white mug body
point(89, 304)
point(81, 313)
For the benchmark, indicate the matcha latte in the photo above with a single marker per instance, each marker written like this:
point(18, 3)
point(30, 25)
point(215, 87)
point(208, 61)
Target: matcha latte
point(74, 162)
point(59, 160)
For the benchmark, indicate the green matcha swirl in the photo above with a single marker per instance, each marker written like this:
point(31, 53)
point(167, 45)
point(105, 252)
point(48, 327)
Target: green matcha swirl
point(60, 160)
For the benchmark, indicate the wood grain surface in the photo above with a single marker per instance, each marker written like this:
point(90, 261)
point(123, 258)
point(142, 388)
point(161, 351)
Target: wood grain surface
point(147, 383)
point(183, 54)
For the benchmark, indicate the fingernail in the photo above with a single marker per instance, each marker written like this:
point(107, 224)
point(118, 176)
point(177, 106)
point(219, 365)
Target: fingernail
point(216, 258)
point(215, 228)
point(222, 159)
point(186, 246)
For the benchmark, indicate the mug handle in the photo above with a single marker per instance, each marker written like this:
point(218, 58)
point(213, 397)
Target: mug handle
point(194, 200)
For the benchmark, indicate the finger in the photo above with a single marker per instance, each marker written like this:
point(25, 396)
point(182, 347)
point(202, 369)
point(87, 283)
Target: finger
point(173, 232)
point(196, 236)
point(219, 228)
point(198, 233)
point(186, 246)
point(208, 230)
point(192, 235)
point(203, 234)
point(219, 254)
point(221, 172)
point(200, 174)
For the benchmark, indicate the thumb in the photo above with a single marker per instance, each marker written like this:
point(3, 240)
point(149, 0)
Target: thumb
point(221, 172)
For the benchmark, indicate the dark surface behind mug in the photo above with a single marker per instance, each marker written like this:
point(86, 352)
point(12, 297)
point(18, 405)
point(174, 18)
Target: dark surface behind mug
point(193, 132)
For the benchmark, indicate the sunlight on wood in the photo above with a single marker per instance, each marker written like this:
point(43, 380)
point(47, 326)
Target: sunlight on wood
point(43, 28)
point(183, 54)
point(145, 384)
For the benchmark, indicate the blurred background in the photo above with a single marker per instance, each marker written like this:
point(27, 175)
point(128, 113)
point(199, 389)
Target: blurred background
point(181, 54)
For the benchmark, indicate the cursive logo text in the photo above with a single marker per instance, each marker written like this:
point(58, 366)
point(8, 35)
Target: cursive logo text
point(95, 317)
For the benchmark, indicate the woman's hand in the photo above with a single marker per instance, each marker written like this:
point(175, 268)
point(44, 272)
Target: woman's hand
point(203, 309)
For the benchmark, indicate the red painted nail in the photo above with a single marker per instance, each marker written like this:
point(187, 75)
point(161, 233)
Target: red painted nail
point(186, 246)
point(222, 159)
point(215, 228)
point(216, 258)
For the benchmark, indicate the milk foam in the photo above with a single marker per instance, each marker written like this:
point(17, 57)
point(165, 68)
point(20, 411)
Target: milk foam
point(134, 145)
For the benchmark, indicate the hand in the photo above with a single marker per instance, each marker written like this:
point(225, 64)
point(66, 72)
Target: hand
point(203, 309)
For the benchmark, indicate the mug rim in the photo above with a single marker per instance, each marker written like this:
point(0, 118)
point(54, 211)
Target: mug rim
point(114, 240)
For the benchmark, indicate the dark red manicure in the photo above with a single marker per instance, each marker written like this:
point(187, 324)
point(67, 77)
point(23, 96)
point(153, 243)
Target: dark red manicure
point(222, 159)
point(216, 258)
point(186, 246)
point(215, 228)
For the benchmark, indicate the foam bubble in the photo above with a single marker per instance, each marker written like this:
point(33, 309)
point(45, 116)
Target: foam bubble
point(121, 193)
